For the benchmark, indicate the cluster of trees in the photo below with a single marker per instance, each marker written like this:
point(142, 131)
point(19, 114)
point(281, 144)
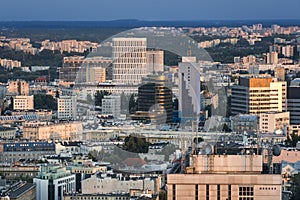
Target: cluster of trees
point(99, 96)
point(292, 140)
point(135, 144)
point(44, 101)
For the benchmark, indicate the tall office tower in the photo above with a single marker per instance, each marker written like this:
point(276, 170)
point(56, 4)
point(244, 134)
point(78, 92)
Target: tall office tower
point(293, 104)
point(255, 95)
point(129, 60)
point(18, 87)
point(23, 103)
point(155, 96)
point(155, 61)
point(66, 107)
point(189, 88)
point(288, 51)
point(272, 58)
point(279, 73)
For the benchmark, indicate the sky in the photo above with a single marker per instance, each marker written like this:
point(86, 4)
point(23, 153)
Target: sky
point(104, 10)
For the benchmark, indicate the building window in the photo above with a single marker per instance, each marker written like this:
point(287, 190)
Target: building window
point(196, 192)
point(218, 192)
point(174, 192)
point(229, 192)
point(246, 193)
point(207, 192)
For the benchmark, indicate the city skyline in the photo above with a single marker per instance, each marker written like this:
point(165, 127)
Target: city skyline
point(92, 10)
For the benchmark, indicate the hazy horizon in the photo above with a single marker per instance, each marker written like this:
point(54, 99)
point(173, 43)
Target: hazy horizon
point(155, 10)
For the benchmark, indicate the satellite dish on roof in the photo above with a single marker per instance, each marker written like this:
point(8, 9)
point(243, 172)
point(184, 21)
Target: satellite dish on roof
point(276, 150)
point(205, 148)
point(278, 132)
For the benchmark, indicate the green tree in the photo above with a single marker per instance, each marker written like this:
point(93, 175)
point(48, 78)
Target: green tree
point(96, 155)
point(292, 140)
point(44, 101)
point(132, 104)
point(99, 96)
point(295, 187)
point(135, 144)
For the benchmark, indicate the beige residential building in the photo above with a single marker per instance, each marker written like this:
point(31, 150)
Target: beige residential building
point(255, 95)
point(23, 103)
point(235, 177)
point(272, 58)
point(48, 131)
point(18, 87)
point(7, 132)
point(274, 122)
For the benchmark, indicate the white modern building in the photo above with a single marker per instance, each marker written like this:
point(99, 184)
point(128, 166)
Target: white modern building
point(66, 107)
point(53, 182)
point(129, 60)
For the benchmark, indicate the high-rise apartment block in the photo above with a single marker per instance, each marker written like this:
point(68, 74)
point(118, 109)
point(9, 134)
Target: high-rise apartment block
point(155, 61)
point(288, 51)
point(129, 60)
point(18, 87)
point(272, 58)
point(255, 95)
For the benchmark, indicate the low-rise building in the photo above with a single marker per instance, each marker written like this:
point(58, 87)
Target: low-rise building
point(109, 183)
point(274, 122)
point(15, 151)
point(7, 132)
point(45, 130)
point(23, 103)
point(224, 176)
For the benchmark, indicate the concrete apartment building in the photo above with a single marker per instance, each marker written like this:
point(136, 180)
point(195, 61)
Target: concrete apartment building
point(111, 105)
point(52, 182)
point(255, 95)
point(67, 107)
point(18, 87)
point(47, 131)
point(272, 58)
point(23, 103)
point(234, 177)
point(129, 60)
point(155, 61)
point(274, 122)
